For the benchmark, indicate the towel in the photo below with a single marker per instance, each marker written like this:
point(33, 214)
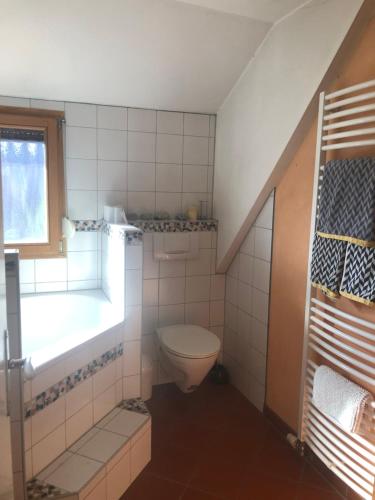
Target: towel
point(343, 258)
point(340, 398)
point(327, 265)
point(347, 201)
point(358, 281)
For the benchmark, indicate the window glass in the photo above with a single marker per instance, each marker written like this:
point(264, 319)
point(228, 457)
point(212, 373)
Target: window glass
point(24, 186)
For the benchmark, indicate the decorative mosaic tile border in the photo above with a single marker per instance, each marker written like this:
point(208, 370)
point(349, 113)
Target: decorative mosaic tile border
point(54, 392)
point(130, 235)
point(150, 226)
point(175, 226)
point(136, 404)
point(88, 225)
point(134, 238)
point(36, 489)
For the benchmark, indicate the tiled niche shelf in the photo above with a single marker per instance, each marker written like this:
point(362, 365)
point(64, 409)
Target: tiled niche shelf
point(152, 225)
point(103, 462)
point(175, 225)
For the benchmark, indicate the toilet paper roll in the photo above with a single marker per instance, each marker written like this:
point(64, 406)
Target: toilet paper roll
point(114, 214)
point(108, 213)
point(119, 216)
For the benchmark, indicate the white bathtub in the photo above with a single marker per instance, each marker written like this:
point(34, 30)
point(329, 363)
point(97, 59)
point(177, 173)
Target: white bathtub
point(54, 323)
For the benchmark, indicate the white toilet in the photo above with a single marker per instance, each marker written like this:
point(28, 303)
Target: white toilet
point(187, 353)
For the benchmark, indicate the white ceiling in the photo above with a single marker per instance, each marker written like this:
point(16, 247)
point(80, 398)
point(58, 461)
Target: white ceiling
point(163, 54)
point(264, 10)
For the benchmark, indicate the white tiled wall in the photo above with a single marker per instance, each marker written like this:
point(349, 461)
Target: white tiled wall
point(80, 270)
point(246, 309)
point(113, 269)
point(131, 368)
point(52, 430)
point(145, 160)
point(181, 292)
point(49, 432)
point(96, 171)
point(106, 460)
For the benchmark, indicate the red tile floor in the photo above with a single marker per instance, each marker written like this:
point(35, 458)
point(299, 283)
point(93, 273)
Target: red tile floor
point(213, 444)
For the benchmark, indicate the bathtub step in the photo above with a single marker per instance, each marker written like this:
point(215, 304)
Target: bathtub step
point(103, 463)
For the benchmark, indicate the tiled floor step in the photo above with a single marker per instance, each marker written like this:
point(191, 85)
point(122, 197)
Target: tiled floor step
point(104, 462)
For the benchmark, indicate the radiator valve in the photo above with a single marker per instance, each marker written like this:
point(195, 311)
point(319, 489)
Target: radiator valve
point(295, 443)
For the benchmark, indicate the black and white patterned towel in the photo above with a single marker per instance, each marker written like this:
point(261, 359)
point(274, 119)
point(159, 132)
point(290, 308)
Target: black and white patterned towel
point(347, 201)
point(358, 280)
point(327, 264)
point(342, 268)
point(343, 258)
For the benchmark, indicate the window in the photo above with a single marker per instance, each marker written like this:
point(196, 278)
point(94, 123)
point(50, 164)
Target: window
point(32, 181)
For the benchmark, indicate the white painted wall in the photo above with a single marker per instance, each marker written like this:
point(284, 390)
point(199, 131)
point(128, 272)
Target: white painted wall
point(264, 108)
point(141, 53)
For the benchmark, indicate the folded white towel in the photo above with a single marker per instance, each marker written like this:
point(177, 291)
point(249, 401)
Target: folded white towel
point(340, 398)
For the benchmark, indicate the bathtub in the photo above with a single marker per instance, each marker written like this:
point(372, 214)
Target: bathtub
point(55, 323)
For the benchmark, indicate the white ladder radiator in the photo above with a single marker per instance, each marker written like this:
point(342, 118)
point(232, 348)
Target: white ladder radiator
point(333, 337)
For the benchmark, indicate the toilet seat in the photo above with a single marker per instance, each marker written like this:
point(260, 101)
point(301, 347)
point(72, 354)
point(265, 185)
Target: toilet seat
point(189, 341)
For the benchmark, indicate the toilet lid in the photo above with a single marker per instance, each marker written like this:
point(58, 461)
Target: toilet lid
point(189, 341)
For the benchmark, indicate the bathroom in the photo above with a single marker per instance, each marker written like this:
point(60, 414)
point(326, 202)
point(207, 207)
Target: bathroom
point(157, 295)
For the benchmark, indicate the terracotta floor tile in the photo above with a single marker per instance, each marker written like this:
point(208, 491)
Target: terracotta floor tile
point(278, 459)
point(218, 476)
point(311, 477)
point(235, 418)
point(260, 487)
point(163, 430)
point(192, 494)
point(235, 445)
point(148, 487)
point(214, 445)
point(173, 463)
point(332, 479)
point(190, 436)
point(308, 493)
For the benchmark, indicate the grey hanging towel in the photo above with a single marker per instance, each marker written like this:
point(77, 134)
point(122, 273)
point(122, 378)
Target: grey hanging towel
point(327, 264)
point(347, 201)
point(358, 281)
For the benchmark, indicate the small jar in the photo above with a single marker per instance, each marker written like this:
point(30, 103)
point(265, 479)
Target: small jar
point(192, 213)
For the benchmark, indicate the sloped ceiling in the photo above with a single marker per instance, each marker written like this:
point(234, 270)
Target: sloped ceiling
point(264, 10)
point(264, 110)
point(163, 54)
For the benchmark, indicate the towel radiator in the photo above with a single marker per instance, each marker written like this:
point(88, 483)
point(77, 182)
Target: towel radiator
point(346, 120)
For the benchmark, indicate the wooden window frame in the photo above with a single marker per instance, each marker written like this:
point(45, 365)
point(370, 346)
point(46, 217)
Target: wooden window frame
point(51, 122)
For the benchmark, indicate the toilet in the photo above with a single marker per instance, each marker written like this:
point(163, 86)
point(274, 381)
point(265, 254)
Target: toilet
point(187, 353)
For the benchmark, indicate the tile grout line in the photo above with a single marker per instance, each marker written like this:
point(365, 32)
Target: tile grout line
point(97, 197)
